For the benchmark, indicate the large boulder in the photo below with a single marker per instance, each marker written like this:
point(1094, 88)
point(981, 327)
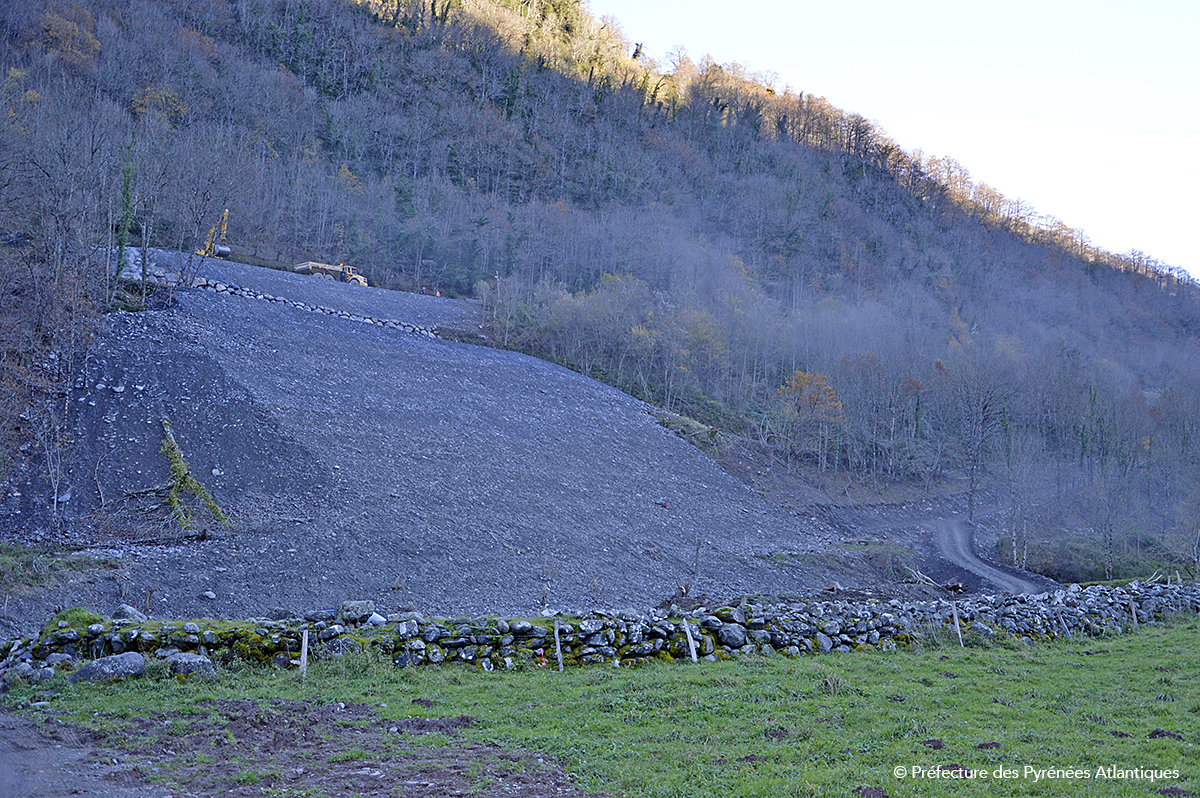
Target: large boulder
point(107, 669)
point(128, 613)
point(732, 635)
point(356, 611)
point(730, 614)
point(342, 645)
point(186, 663)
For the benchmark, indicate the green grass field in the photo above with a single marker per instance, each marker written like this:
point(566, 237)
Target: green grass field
point(774, 726)
point(22, 567)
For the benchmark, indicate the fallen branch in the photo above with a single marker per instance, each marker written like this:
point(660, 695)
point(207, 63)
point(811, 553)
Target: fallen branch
point(157, 490)
point(96, 479)
point(921, 578)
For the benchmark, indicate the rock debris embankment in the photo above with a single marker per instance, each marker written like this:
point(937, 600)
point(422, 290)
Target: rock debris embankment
point(356, 460)
point(623, 638)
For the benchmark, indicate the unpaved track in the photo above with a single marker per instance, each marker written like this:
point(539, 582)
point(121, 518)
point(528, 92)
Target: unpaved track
point(953, 537)
point(939, 531)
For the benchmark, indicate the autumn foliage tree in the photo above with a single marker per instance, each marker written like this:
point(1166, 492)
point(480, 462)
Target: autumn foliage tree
point(807, 416)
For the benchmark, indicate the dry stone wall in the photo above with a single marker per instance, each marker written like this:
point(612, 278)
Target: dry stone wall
point(164, 277)
point(625, 638)
point(233, 290)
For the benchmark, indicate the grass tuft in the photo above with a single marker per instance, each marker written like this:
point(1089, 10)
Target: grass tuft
point(22, 567)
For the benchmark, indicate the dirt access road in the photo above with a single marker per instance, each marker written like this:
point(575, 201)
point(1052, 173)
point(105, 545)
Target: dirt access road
point(953, 537)
point(941, 541)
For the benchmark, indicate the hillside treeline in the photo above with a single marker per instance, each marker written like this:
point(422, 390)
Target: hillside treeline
point(759, 260)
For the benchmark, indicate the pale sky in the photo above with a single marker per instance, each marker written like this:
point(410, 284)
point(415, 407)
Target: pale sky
point(1089, 110)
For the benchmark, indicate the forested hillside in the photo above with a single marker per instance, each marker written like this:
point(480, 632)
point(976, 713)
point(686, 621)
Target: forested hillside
point(761, 261)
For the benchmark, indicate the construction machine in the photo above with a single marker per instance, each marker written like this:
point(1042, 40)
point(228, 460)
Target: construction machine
point(342, 273)
point(214, 245)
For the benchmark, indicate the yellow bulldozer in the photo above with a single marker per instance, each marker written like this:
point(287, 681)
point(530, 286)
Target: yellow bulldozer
point(214, 245)
point(342, 273)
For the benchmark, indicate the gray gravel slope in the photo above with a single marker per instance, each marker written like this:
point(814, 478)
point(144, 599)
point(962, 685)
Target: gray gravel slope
point(364, 462)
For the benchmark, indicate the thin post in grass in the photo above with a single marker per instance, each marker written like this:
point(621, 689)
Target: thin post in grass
point(957, 626)
point(691, 643)
point(1133, 614)
point(303, 653)
point(557, 646)
point(1063, 623)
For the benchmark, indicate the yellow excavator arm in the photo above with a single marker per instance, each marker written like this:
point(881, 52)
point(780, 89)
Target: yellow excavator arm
point(214, 245)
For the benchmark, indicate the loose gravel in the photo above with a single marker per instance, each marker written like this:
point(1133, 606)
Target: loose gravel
point(363, 462)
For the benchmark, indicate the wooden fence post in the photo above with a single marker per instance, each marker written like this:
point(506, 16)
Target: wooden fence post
point(691, 642)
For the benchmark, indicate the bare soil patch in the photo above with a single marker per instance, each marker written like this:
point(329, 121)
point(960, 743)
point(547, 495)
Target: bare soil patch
point(49, 759)
point(243, 748)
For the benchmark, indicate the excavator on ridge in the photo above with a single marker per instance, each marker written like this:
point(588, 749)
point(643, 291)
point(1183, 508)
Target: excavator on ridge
point(214, 245)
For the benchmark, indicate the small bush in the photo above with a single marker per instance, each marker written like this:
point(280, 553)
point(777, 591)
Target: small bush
point(830, 683)
point(23, 567)
point(76, 617)
point(183, 481)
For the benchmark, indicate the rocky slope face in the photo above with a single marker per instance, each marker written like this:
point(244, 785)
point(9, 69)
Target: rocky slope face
point(360, 460)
